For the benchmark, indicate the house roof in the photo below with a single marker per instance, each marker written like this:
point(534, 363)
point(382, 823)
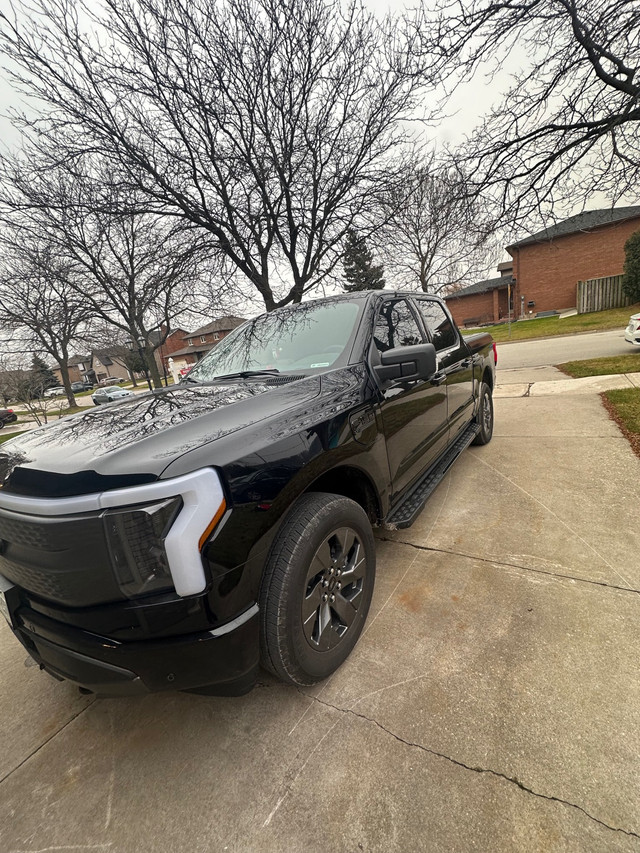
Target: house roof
point(224, 324)
point(196, 348)
point(481, 287)
point(79, 359)
point(107, 355)
point(586, 221)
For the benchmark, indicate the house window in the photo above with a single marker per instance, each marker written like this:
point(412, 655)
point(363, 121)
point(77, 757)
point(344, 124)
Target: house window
point(190, 342)
point(216, 336)
point(203, 339)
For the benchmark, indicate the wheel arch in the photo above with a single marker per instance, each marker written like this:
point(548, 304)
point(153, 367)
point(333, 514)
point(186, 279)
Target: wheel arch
point(350, 482)
point(487, 377)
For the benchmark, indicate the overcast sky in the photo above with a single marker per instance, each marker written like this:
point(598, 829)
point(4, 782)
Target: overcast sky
point(469, 104)
point(471, 101)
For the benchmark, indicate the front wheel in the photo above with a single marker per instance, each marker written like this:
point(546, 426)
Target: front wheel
point(484, 418)
point(316, 588)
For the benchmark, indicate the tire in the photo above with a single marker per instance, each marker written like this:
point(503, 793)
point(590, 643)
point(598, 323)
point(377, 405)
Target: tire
point(485, 416)
point(316, 589)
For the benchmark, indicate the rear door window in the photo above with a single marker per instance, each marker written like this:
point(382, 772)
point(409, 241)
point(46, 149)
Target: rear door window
point(439, 326)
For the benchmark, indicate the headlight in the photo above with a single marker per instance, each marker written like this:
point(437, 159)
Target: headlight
point(136, 539)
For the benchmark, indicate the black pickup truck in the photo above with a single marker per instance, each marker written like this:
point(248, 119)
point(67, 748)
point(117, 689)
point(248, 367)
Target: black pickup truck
point(177, 539)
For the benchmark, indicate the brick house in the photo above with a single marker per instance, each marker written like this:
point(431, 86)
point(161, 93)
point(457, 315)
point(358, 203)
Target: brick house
point(483, 302)
point(195, 345)
point(548, 266)
point(172, 343)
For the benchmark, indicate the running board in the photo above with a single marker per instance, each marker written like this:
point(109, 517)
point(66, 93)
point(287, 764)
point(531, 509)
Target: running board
point(410, 507)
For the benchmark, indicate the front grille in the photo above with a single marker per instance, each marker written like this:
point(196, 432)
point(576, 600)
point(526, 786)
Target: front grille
point(59, 559)
point(34, 535)
point(44, 584)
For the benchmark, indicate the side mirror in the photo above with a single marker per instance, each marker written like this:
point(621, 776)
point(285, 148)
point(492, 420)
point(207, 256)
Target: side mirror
point(412, 362)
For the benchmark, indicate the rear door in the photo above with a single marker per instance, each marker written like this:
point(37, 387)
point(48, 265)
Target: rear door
point(414, 412)
point(454, 360)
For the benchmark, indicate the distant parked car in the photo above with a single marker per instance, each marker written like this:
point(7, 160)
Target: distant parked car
point(111, 380)
point(7, 416)
point(56, 391)
point(77, 387)
point(632, 332)
point(108, 395)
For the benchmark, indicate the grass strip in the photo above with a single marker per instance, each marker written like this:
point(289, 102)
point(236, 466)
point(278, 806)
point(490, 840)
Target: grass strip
point(629, 363)
point(623, 406)
point(547, 327)
point(6, 437)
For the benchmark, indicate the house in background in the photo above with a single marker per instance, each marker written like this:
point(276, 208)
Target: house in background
point(195, 345)
point(547, 267)
point(79, 369)
point(483, 302)
point(172, 343)
point(107, 364)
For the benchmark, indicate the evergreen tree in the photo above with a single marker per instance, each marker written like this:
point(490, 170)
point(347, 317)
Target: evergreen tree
point(631, 279)
point(41, 374)
point(359, 270)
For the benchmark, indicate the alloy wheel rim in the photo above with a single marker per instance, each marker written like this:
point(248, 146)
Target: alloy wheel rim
point(333, 589)
point(486, 412)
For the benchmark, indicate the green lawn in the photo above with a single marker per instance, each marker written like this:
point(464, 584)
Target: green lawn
point(544, 327)
point(602, 366)
point(623, 405)
point(6, 436)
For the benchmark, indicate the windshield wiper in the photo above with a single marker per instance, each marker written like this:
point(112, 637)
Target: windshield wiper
point(189, 379)
point(246, 374)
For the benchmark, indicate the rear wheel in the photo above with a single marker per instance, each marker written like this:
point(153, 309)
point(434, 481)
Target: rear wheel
point(484, 418)
point(317, 588)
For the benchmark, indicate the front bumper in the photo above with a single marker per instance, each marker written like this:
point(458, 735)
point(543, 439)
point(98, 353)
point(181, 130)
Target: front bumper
point(224, 660)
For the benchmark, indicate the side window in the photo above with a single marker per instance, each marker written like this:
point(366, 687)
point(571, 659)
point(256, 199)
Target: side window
point(439, 325)
point(396, 326)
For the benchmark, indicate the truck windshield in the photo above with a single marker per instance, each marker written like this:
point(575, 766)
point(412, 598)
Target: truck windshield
point(306, 338)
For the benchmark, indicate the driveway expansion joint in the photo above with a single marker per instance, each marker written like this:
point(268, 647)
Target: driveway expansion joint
point(481, 770)
point(519, 567)
point(45, 742)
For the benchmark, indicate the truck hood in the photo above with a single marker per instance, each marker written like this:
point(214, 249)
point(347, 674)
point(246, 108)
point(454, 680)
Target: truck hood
point(132, 441)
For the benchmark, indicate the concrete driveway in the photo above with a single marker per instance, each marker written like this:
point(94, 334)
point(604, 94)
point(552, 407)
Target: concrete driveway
point(493, 703)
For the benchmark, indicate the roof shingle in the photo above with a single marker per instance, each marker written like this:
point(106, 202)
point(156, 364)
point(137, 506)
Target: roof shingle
point(586, 221)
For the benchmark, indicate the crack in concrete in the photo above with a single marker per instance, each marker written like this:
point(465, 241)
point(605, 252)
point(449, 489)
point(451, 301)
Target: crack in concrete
point(481, 770)
point(491, 562)
point(44, 743)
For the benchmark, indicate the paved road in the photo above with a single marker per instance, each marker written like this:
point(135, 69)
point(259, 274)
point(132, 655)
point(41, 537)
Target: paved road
point(491, 704)
point(557, 350)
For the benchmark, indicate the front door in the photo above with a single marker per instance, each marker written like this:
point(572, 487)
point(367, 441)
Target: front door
point(414, 412)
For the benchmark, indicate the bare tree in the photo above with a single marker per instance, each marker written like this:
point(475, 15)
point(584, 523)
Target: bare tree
point(28, 387)
point(131, 268)
point(269, 123)
point(39, 295)
point(436, 235)
point(569, 124)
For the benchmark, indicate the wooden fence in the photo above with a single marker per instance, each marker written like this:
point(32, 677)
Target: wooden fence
point(598, 294)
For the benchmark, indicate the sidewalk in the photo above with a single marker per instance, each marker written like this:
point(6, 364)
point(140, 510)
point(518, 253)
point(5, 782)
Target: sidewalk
point(547, 381)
